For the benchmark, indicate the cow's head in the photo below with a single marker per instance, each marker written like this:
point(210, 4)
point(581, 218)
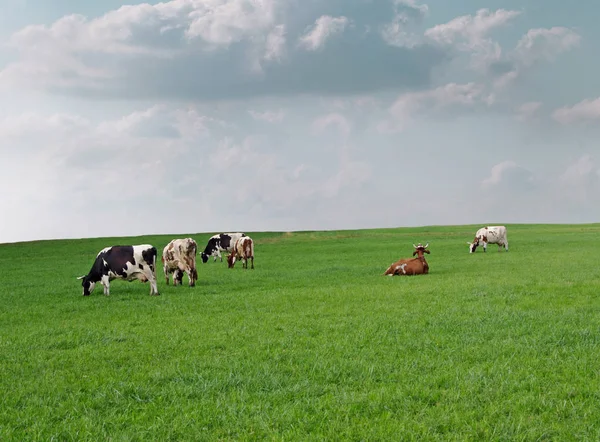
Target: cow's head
point(420, 249)
point(87, 284)
point(204, 257)
point(231, 260)
point(473, 245)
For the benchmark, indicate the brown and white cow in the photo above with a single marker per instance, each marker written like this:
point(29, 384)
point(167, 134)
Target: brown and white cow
point(411, 266)
point(489, 235)
point(244, 250)
point(179, 257)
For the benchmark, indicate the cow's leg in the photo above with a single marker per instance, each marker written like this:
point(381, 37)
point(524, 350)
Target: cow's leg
point(485, 246)
point(191, 272)
point(252, 258)
point(153, 286)
point(105, 281)
point(166, 274)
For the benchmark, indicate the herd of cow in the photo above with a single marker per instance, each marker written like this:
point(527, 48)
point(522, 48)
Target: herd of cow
point(179, 258)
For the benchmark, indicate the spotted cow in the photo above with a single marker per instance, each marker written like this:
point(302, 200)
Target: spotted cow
point(179, 257)
point(221, 242)
point(122, 262)
point(489, 235)
point(244, 250)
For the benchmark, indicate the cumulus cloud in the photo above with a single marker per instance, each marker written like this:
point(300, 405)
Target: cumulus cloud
point(509, 176)
point(527, 111)
point(175, 158)
point(579, 184)
point(470, 33)
point(332, 119)
point(268, 116)
point(324, 28)
point(406, 13)
point(409, 105)
point(537, 46)
point(586, 110)
point(173, 50)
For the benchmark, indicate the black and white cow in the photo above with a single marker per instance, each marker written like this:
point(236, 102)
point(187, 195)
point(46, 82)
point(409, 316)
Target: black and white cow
point(221, 242)
point(122, 262)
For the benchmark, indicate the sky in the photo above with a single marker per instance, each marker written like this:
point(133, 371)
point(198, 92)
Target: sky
point(188, 116)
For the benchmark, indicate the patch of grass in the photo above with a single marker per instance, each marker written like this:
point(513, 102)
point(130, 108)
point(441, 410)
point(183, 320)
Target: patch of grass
point(313, 344)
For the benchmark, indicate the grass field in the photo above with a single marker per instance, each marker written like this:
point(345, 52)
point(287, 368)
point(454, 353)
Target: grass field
point(314, 344)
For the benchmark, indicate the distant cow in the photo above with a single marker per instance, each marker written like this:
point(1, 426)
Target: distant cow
point(122, 262)
point(244, 250)
point(221, 242)
point(179, 257)
point(489, 235)
point(411, 266)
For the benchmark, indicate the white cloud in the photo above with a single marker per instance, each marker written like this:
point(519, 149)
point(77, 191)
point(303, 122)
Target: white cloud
point(580, 182)
point(509, 175)
point(538, 45)
point(527, 111)
point(545, 44)
point(586, 110)
point(275, 44)
point(61, 54)
point(324, 28)
point(397, 32)
point(332, 119)
point(409, 105)
point(470, 33)
point(268, 116)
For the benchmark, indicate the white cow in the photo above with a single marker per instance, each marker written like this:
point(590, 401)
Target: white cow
point(489, 235)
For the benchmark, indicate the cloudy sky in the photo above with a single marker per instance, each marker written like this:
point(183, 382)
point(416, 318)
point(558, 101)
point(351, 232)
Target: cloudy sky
point(219, 115)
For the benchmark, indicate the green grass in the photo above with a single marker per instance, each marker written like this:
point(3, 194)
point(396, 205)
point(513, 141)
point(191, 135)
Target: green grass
point(314, 344)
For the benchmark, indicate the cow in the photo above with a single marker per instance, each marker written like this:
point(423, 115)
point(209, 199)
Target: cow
point(179, 257)
point(489, 235)
point(221, 242)
point(243, 249)
point(122, 262)
point(411, 266)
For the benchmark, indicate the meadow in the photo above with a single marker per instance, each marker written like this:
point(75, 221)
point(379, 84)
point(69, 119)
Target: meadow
point(314, 344)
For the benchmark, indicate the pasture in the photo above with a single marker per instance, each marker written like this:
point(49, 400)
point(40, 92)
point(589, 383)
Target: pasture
point(314, 344)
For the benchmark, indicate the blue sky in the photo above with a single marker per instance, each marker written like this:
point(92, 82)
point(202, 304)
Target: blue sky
point(219, 115)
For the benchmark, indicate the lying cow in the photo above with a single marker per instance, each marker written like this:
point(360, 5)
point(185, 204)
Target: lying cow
point(411, 266)
point(489, 235)
point(122, 262)
point(221, 242)
point(179, 257)
point(243, 249)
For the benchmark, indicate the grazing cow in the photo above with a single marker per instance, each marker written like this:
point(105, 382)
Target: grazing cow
point(179, 257)
point(489, 235)
point(221, 242)
point(122, 262)
point(411, 266)
point(244, 250)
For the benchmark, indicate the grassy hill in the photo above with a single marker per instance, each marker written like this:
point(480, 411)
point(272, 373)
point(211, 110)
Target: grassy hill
point(313, 344)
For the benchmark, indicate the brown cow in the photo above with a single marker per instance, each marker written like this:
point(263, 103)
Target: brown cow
point(411, 266)
point(244, 250)
point(179, 257)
